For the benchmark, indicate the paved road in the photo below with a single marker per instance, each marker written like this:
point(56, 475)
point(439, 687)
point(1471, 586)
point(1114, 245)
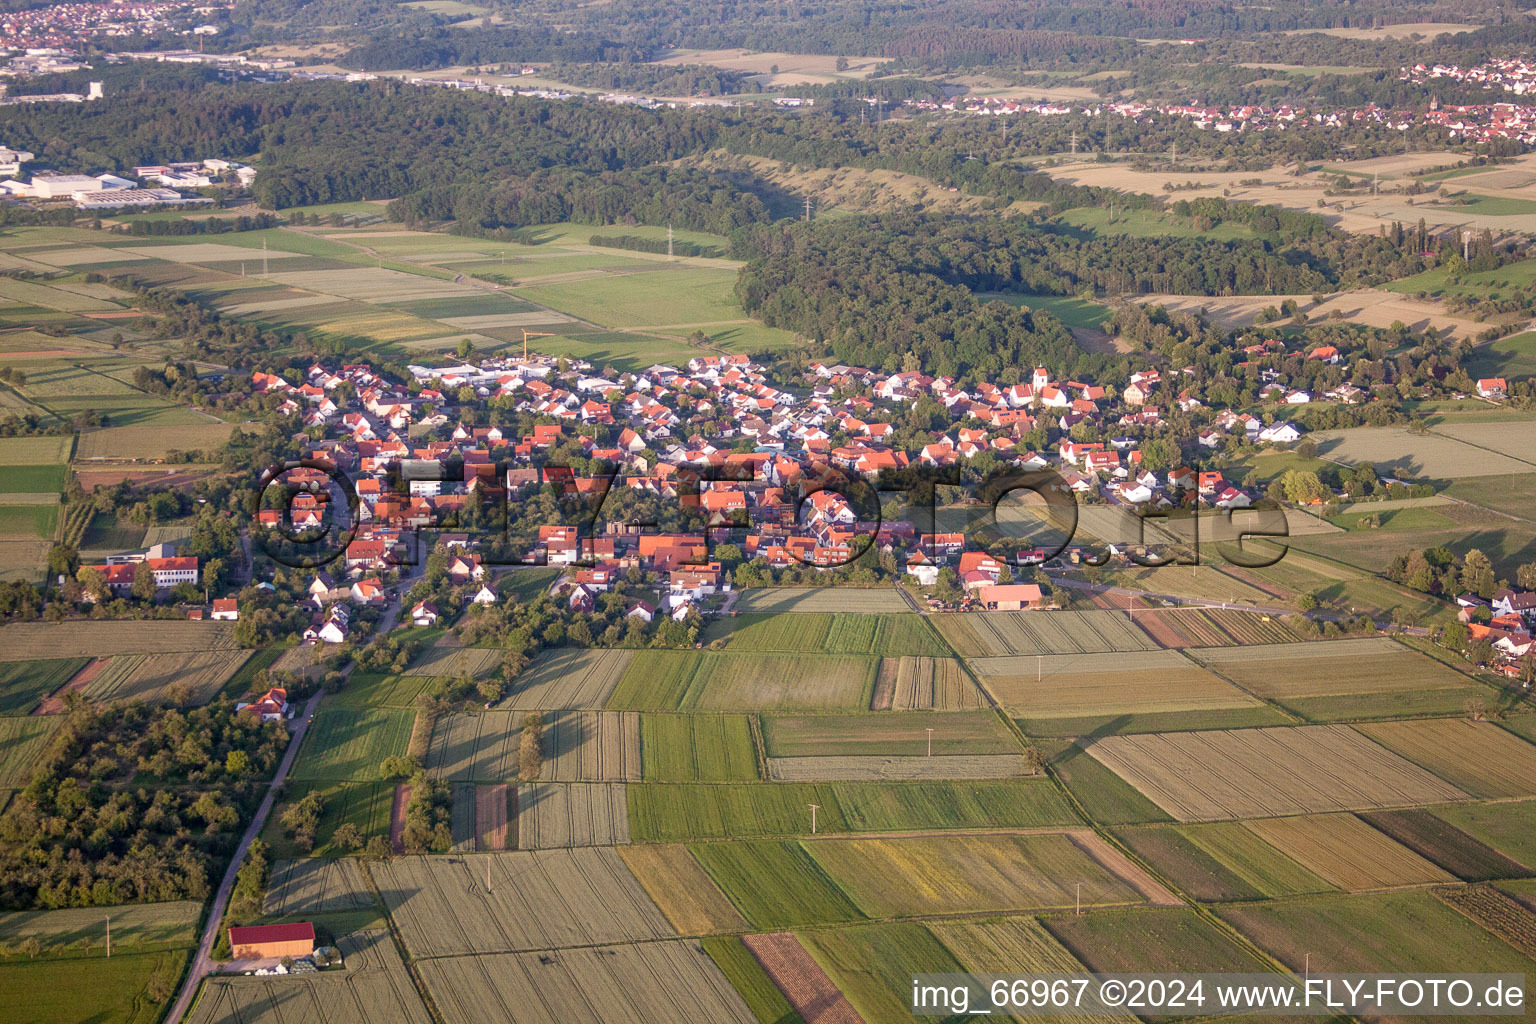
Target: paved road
point(203, 962)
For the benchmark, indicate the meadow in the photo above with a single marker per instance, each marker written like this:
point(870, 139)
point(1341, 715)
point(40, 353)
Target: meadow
point(22, 742)
point(347, 744)
point(364, 805)
point(198, 675)
point(114, 991)
point(24, 683)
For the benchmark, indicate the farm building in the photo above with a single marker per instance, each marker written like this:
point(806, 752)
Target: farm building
point(1012, 597)
point(258, 942)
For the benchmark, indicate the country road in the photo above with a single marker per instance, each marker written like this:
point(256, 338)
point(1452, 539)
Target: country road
point(201, 964)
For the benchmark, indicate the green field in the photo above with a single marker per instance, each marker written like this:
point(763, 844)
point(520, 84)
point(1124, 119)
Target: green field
point(887, 635)
point(1253, 860)
point(708, 681)
point(874, 964)
point(374, 689)
point(1186, 865)
point(1514, 356)
point(672, 813)
point(887, 733)
point(1070, 310)
point(1509, 828)
point(101, 991)
point(697, 748)
point(1481, 284)
point(344, 744)
point(32, 479)
point(775, 885)
point(364, 804)
point(29, 521)
point(746, 975)
point(1148, 223)
point(1104, 795)
point(667, 295)
point(24, 683)
point(22, 742)
point(1153, 940)
point(1389, 933)
point(136, 928)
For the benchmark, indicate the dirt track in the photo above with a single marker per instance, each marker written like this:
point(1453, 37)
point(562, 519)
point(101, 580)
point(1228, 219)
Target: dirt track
point(397, 818)
point(53, 704)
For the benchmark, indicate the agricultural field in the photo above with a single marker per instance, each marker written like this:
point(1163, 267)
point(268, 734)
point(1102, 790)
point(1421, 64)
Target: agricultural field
point(775, 884)
point(896, 733)
point(707, 681)
point(578, 746)
point(115, 991)
point(1435, 456)
point(697, 748)
point(1151, 940)
point(826, 600)
point(25, 683)
point(742, 969)
point(1083, 685)
point(374, 987)
point(136, 928)
point(317, 886)
point(349, 744)
point(1478, 757)
point(567, 679)
point(966, 874)
point(367, 689)
point(873, 965)
point(676, 813)
point(1392, 933)
point(1106, 796)
point(546, 899)
point(22, 742)
point(683, 890)
point(1347, 853)
point(1344, 678)
point(1176, 857)
point(552, 816)
point(670, 982)
point(994, 634)
point(1210, 627)
point(920, 684)
point(1508, 828)
point(150, 441)
point(888, 635)
point(870, 768)
point(1256, 862)
point(29, 641)
point(1246, 773)
point(477, 662)
point(196, 675)
point(1435, 837)
point(35, 451)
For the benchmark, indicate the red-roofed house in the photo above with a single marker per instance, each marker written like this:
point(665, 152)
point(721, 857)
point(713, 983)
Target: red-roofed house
point(264, 941)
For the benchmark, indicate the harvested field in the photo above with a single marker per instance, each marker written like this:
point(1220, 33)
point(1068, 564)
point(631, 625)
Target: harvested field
point(551, 816)
point(317, 886)
point(812, 994)
point(1500, 913)
point(24, 684)
point(478, 662)
point(1200, 776)
point(578, 746)
point(27, 641)
point(1368, 665)
point(672, 982)
point(1080, 685)
point(495, 818)
point(916, 684)
point(1443, 843)
point(1394, 451)
point(198, 676)
point(992, 634)
point(1478, 757)
point(820, 599)
point(374, 988)
point(351, 743)
point(567, 679)
point(548, 899)
point(683, 890)
point(1347, 852)
point(706, 681)
point(889, 635)
point(697, 748)
point(22, 742)
point(874, 767)
point(898, 733)
point(966, 874)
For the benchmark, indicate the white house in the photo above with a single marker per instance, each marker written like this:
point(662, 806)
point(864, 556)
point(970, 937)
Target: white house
point(1280, 433)
point(424, 614)
point(485, 595)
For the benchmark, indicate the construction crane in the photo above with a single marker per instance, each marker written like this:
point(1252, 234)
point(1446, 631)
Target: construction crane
point(531, 334)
